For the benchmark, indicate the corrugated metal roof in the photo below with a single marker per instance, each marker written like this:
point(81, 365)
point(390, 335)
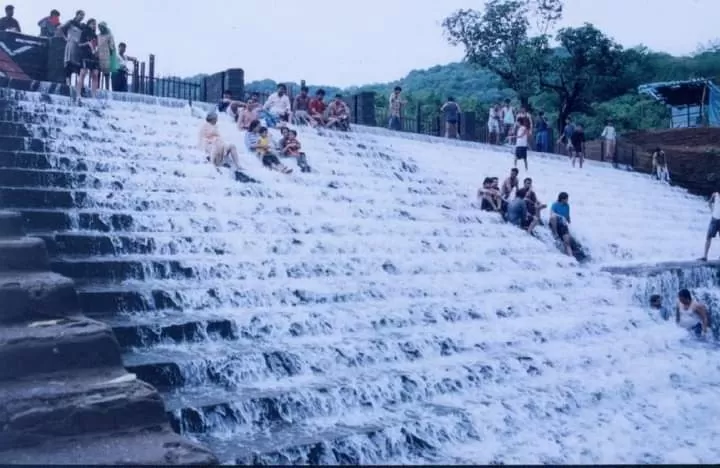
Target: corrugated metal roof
point(654, 89)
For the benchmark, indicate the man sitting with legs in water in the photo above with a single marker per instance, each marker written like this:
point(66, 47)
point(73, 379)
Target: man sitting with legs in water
point(691, 315)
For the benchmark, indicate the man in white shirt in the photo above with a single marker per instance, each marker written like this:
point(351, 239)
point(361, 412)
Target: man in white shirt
point(609, 136)
point(277, 107)
point(714, 226)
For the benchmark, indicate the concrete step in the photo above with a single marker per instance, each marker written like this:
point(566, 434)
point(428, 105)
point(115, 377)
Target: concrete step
point(42, 161)
point(56, 345)
point(40, 408)
point(118, 269)
point(13, 143)
point(92, 244)
point(11, 224)
point(23, 254)
point(32, 178)
point(36, 296)
point(41, 198)
point(151, 446)
point(16, 129)
point(60, 220)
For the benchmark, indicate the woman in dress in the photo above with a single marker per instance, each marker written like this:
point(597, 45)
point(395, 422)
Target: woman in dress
point(72, 31)
point(106, 54)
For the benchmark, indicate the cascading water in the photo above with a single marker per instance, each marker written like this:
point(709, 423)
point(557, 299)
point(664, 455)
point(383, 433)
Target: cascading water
point(367, 312)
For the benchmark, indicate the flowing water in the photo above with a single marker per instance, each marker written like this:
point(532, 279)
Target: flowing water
point(368, 312)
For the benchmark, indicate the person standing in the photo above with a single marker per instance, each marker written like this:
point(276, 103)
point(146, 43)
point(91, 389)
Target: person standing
point(521, 140)
point(120, 75)
point(660, 168)
point(691, 315)
point(508, 119)
point(494, 125)
point(88, 52)
point(714, 226)
point(8, 22)
point(451, 111)
point(609, 136)
point(396, 106)
point(107, 54)
point(72, 31)
point(49, 25)
point(541, 133)
point(577, 141)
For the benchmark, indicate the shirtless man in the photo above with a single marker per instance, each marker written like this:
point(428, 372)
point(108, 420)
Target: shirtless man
point(535, 206)
point(691, 315)
point(509, 184)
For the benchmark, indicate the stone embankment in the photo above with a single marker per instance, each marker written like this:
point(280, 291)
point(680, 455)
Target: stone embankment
point(65, 397)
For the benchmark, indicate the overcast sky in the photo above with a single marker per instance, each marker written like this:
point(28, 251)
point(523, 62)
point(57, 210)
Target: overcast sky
point(345, 43)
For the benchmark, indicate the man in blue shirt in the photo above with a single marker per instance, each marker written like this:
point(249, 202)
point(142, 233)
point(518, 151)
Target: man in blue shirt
point(560, 220)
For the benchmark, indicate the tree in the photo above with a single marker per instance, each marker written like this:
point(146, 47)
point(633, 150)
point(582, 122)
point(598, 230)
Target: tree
point(586, 67)
point(498, 39)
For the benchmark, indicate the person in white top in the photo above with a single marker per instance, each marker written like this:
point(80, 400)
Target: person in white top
point(277, 107)
point(691, 315)
point(494, 124)
point(508, 118)
point(609, 136)
point(216, 150)
point(714, 226)
point(521, 140)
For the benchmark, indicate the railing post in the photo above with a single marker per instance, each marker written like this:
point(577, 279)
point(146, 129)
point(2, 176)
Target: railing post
point(151, 73)
point(136, 78)
point(418, 119)
point(142, 78)
point(602, 150)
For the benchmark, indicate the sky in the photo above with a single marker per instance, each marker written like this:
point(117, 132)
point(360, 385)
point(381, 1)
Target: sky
point(344, 43)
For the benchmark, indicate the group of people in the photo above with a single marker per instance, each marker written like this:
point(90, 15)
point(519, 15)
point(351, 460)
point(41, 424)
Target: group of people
point(90, 50)
point(690, 314)
point(450, 111)
point(276, 112)
point(279, 111)
point(521, 206)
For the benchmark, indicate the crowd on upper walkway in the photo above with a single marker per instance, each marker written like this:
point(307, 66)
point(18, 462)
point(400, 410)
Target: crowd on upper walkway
point(91, 52)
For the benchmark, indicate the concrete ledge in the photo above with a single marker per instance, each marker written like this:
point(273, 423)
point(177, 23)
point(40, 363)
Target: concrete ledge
point(664, 267)
point(23, 254)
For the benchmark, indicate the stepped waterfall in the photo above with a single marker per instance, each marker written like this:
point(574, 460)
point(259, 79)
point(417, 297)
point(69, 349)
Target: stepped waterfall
point(369, 312)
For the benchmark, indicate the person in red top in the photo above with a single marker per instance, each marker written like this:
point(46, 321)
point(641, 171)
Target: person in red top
point(339, 114)
point(317, 107)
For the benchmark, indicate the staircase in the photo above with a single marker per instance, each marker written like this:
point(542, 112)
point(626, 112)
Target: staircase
point(65, 396)
point(366, 312)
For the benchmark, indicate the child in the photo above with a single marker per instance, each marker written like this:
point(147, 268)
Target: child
point(264, 151)
point(291, 147)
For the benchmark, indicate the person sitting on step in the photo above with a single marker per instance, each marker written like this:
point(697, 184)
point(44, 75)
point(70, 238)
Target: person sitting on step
point(338, 114)
point(250, 112)
point(488, 196)
point(301, 108)
point(277, 107)
point(258, 141)
point(691, 315)
point(535, 207)
point(211, 143)
point(560, 221)
point(317, 108)
point(230, 106)
point(530, 219)
point(510, 183)
point(289, 146)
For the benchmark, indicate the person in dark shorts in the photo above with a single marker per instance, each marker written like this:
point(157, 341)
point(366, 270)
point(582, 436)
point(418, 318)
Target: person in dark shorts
point(577, 142)
point(714, 225)
point(521, 140)
point(451, 111)
point(89, 60)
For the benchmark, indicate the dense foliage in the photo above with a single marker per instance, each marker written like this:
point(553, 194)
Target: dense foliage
point(584, 74)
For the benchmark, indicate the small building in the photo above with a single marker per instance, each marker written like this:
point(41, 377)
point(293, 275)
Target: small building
point(692, 103)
